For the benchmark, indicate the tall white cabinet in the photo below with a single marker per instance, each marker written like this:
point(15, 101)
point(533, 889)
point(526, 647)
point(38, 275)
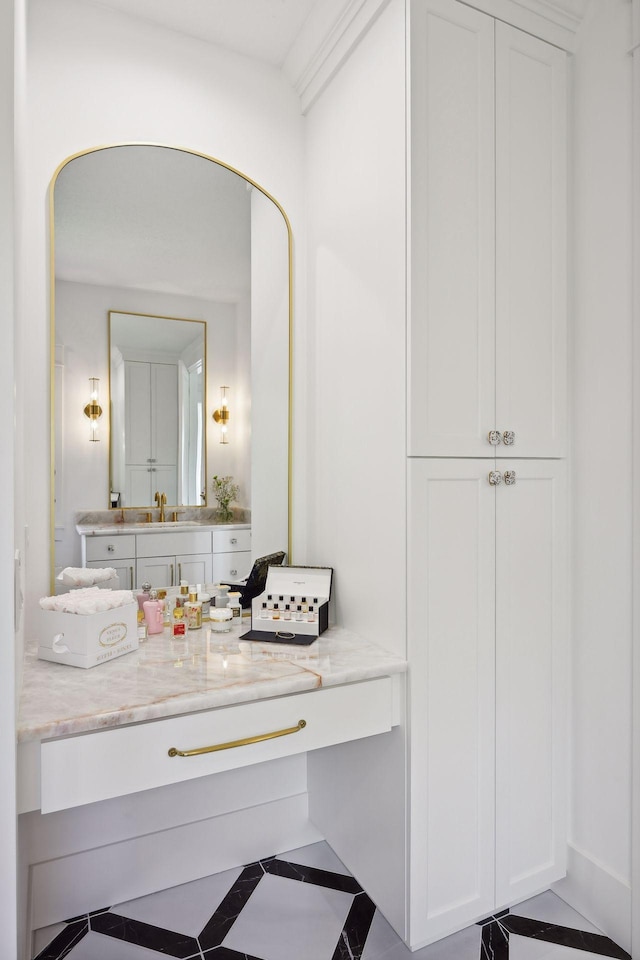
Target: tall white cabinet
point(151, 431)
point(487, 480)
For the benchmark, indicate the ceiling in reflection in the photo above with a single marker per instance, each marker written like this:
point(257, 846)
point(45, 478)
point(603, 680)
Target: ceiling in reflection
point(124, 218)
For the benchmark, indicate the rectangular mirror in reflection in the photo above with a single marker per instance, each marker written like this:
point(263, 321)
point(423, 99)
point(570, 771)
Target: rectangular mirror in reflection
point(157, 402)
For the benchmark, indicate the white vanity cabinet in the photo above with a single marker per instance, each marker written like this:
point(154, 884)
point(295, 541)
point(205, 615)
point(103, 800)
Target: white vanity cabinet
point(118, 552)
point(164, 557)
point(488, 237)
point(487, 634)
point(231, 555)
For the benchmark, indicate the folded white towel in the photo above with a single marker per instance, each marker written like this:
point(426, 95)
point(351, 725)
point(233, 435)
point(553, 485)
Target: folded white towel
point(88, 600)
point(86, 576)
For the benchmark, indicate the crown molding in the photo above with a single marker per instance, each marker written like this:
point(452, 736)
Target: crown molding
point(334, 27)
point(328, 36)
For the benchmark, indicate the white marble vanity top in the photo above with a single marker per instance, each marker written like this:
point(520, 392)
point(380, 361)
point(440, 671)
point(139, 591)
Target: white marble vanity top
point(167, 677)
point(116, 529)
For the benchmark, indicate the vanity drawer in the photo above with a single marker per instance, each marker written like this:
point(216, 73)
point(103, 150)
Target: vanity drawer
point(113, 763)
point(230, 541)
point(172, 544)
point(111, 548)
point(231, 566)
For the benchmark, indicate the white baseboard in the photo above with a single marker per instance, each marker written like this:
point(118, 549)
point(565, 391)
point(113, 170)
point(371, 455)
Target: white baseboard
point(598, 894)
point(84, 881)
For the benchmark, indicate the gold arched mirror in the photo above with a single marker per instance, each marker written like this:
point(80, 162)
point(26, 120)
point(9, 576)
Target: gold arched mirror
point(170, 280)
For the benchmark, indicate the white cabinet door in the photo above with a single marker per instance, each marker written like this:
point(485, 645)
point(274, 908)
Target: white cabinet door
point(487, 337)
point(487, 641)
point(231, 566)
point(195, 568)
point(531, 688)
point(451, 651)
point(124, 568)
point(531, 256)
point(160, 572)
point(137, 386)
point(164, 413)
point(451, 335)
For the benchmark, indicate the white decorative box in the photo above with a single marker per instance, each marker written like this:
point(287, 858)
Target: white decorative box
point(87, 640)
point(283, 584)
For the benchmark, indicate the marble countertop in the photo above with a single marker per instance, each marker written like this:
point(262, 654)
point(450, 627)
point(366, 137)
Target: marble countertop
point(168, 526)
point(168, 677)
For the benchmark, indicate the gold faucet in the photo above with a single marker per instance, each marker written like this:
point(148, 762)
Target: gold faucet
point(161, 499)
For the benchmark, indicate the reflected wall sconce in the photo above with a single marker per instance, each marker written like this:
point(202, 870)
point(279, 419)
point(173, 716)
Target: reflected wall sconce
point(221, 415)
point(93, 410)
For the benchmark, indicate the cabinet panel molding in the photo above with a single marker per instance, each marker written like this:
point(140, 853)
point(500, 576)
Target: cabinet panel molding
point(531, 681)
point(451, 336)
point(451, 649)
point(531, 253)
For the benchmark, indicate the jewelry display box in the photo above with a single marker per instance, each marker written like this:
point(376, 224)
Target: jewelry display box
point(307, 592)
point(87, 640)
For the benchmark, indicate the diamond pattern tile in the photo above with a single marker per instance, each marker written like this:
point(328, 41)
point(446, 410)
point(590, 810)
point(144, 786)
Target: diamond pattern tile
point(305, 905)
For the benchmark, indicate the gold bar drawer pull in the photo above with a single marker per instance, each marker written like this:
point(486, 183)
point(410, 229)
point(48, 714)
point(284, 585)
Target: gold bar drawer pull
point(173, 752)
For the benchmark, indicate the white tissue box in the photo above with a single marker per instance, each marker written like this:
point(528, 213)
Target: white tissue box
point(87, 640)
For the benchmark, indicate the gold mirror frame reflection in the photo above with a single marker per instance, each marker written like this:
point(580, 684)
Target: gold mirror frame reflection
point(52, 324)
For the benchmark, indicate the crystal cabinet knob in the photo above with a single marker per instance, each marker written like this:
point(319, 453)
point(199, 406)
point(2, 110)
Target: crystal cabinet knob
point(495, 478)
point(508, 438)
point(509, 478)
point(494, 437)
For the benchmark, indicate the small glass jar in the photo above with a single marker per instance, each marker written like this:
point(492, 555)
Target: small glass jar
point(221, 619)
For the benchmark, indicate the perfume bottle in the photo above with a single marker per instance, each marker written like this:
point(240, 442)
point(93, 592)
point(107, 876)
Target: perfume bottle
point(153, 614)
point(193, 610)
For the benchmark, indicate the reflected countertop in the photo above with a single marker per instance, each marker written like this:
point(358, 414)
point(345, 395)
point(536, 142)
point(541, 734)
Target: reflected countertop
point(168, 677)
point(167, 526)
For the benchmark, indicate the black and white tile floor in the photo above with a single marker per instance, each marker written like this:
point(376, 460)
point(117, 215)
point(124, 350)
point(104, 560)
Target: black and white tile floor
point(304, 905)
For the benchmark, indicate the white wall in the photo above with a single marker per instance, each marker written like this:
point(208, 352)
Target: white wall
point(81, 326)
point(356, 331)
point(96, 76)
point(8, 898)
point(599, 855)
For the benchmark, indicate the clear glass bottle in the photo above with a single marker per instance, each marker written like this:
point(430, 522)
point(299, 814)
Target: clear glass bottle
point(142, 627)
point(179, 626)
point(193, 610)
point(205, 600)
point(235, 606)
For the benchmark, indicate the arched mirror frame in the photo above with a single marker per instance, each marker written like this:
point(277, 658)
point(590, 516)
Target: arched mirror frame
point(52, 322)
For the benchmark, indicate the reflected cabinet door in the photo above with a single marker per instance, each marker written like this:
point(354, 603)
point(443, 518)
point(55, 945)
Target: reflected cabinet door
point(160, 572)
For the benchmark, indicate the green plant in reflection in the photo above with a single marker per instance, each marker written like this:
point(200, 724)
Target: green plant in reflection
point(226, 492)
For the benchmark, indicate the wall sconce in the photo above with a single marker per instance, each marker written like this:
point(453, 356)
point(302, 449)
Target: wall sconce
point(221, 415)
point(93, 410)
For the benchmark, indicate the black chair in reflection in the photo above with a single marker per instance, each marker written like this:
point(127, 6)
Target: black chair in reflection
point(255, 583)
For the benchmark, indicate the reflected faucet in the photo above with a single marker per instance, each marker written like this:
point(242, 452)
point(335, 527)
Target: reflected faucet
point(161, 499)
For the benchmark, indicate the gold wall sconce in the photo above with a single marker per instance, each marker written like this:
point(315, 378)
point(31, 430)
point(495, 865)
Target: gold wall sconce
point(221, 415)
point(93, 410)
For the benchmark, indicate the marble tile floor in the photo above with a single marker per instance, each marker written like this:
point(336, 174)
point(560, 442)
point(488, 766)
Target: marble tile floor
point(305, 905)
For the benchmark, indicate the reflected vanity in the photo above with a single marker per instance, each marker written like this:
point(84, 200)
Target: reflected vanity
point(171, 278)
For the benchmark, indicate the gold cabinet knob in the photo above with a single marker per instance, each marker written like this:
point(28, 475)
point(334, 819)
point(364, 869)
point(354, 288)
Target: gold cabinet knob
point(508, 438)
